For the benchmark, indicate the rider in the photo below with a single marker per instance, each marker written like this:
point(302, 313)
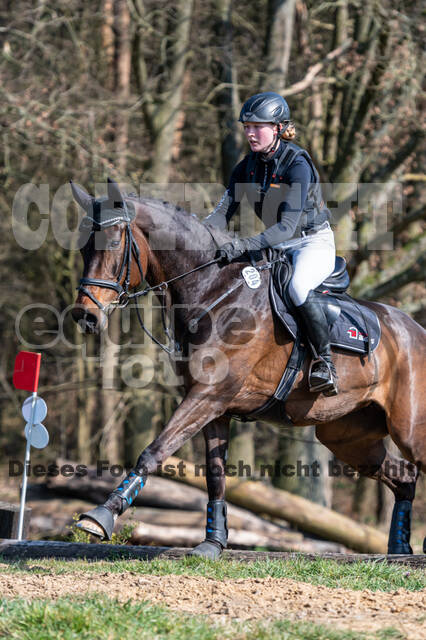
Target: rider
point(282, 185)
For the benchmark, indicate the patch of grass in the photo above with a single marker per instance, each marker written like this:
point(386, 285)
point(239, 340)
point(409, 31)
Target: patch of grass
point(106, 619)
point(376, 576)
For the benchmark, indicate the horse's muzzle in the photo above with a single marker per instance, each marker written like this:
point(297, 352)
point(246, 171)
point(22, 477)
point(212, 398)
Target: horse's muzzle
point(89, 321)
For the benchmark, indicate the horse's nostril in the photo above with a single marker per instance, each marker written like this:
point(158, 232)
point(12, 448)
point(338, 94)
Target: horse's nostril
point(88, 322)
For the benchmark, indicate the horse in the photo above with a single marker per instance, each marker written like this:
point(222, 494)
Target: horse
point(233, 373)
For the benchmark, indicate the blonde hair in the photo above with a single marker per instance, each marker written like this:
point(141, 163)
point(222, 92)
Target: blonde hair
point(290, 132)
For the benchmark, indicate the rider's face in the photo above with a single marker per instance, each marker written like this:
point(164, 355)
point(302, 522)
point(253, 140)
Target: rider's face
point(260, 135)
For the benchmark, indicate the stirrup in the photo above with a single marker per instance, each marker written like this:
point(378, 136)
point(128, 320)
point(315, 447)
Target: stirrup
point(329, 387)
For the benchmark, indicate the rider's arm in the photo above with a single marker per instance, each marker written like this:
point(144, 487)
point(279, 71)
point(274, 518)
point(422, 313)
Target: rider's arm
point(297, 180)
point(227, 205)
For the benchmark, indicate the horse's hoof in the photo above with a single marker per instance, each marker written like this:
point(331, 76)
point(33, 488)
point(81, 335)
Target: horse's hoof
point(207, 549)
point(99, 522)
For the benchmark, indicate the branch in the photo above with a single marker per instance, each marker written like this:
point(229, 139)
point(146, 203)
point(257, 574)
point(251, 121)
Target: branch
point(415, 273)
point(364, 251)
point(316, 68)
point(413, 177)
point(406, 150)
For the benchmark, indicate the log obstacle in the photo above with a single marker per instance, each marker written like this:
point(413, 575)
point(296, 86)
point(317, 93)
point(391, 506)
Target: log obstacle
point(9, 520)
point(255, 496)
point(11, 550)
point(277, 503)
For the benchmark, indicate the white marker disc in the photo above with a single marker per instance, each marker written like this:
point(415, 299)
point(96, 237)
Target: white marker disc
point(39, 435)
point(252, 277)
point(40, 411)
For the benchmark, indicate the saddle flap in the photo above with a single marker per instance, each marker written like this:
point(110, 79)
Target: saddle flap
point(351, 323)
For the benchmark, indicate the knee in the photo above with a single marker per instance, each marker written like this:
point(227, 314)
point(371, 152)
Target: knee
point(146, 464)
point(298, 291)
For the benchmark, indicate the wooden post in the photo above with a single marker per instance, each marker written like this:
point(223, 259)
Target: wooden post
point(9, 521)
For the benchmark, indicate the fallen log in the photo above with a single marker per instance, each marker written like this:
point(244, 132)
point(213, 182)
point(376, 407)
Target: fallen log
point(54, 517)
point(307, 515)
point(191, 536)
point(12, 550)
point(58, 512)
point(159, 492)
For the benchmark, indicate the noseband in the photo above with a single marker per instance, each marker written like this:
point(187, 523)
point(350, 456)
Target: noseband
point(109, 218)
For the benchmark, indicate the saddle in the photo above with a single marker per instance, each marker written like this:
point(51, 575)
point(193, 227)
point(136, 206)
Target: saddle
point(353, 326)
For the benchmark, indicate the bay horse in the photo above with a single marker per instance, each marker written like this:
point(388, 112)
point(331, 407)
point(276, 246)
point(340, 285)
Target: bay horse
point(228, 372)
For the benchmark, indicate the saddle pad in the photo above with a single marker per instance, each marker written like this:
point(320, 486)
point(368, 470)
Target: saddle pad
point(348, 332)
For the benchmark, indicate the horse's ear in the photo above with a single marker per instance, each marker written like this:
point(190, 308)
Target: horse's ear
point(114, 193)
point(81, 197)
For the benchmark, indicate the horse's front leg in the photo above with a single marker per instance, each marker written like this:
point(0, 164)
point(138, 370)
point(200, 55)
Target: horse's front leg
point(195, 411)
point(216, 435)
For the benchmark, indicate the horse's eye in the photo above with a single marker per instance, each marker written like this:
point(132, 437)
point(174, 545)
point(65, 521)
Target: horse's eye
point(115, 243)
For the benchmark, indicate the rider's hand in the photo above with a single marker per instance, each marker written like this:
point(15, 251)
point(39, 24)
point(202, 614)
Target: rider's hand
point(232, 250)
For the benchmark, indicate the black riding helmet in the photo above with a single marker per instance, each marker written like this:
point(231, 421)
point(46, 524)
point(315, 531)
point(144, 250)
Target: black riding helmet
point(265, 107)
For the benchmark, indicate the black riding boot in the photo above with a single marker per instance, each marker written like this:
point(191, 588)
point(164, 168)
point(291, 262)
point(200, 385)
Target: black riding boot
point(322, 374)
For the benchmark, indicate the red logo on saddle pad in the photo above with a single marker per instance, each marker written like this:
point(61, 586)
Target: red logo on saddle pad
point(355, 334)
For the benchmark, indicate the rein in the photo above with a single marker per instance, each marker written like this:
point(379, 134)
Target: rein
point(124, 296)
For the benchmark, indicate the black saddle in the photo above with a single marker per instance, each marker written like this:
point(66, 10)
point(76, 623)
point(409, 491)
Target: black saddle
point(353, 326)
point(338, 281)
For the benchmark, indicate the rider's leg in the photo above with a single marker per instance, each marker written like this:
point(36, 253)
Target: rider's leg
point(322, 375)
point(313, 262)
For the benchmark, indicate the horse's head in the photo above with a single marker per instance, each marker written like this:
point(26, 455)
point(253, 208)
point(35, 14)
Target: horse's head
point(115, 255)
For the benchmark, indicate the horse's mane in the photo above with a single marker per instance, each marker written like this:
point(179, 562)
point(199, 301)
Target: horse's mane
point(189, 222)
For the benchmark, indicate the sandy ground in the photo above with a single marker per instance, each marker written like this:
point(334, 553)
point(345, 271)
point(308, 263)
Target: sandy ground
point(242, 599)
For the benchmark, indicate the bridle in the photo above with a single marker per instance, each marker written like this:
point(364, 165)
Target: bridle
point(131, 250)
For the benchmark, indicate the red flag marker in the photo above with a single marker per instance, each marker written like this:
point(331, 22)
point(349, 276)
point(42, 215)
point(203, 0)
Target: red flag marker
point(27, 370)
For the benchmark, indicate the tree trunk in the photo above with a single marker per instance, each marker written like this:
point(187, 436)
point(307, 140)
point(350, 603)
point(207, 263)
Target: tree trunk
point(107, 40)
point(226, 100)
point(241, 448)
point(123, 67)
point(112, 438)
point(304, 465)
point(279, 39)
point(166, 113)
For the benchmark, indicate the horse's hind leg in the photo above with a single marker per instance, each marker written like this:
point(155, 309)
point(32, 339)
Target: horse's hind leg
point(357, 439)
point(196, 410)
point(216, 435)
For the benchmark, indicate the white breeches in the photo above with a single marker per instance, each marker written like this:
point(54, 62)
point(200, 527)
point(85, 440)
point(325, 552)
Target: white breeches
point(313, 261)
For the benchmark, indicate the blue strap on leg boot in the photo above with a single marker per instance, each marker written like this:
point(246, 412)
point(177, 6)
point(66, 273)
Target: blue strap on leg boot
point(118, 501)
point(216, 531)
point(400, 529)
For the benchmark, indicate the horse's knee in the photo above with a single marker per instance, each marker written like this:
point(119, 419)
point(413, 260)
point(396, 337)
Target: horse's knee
point(147, 463)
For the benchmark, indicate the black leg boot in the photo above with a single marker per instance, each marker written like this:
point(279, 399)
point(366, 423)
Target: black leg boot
point(216, 532)
point(322, 374)
point(100, 520)
point(400, 529)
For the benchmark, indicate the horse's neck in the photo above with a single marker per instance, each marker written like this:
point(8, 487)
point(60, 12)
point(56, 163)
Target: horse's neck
point(178, 242)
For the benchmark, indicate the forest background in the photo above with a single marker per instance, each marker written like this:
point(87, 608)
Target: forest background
point(148, 93)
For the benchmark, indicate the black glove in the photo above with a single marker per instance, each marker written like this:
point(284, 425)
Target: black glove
point(233, 250)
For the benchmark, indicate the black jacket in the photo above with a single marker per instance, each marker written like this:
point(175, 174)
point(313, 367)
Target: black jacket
point(284, 192)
